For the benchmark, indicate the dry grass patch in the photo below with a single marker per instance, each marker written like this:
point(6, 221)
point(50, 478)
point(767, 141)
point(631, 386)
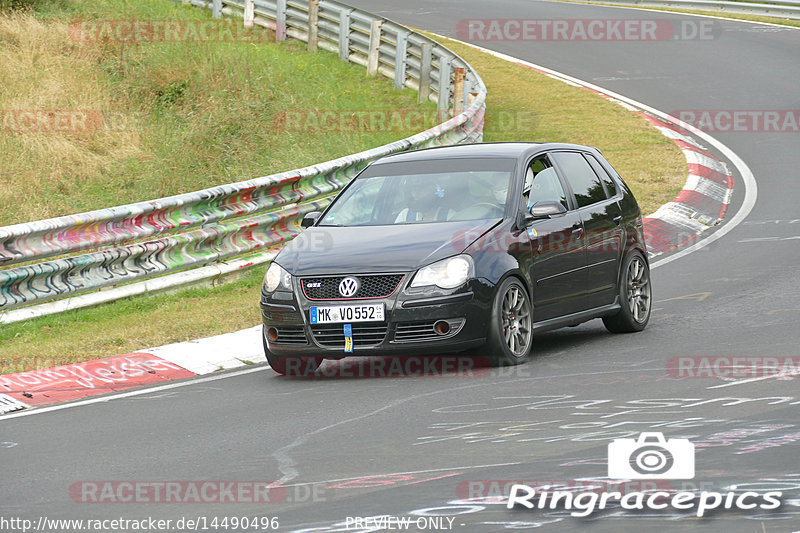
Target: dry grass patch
point(44, 73)
point(199, 141)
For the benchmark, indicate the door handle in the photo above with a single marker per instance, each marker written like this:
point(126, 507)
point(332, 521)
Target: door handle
point(618, 220)
point(577, 229)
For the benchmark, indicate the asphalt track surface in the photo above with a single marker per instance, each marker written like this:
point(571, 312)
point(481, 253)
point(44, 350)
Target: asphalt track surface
point(420, 441)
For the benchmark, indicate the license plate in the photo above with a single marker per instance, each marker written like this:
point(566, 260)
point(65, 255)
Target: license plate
point(347, 313)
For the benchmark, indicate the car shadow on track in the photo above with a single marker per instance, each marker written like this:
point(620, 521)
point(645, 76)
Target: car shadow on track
point(467, 364)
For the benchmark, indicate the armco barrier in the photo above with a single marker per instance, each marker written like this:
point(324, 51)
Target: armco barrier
point(134, 242)
point(789, 9)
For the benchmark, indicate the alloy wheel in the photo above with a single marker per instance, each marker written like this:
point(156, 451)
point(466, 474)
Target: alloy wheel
point(516, 321)
point(638, 289)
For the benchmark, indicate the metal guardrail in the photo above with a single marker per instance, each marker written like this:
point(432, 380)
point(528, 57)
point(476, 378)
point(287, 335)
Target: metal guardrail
point(779, 8)
point(114, 246)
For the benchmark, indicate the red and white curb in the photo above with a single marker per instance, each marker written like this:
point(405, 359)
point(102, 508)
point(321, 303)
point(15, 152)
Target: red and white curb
point(705, 196)
point(700, 205)
point(120, 372)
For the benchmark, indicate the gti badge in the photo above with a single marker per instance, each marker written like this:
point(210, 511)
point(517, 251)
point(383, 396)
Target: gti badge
point(348, 287)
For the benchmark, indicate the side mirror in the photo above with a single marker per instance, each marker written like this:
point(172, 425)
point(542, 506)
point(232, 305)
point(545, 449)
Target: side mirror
point(310, 219)
point(547, 209)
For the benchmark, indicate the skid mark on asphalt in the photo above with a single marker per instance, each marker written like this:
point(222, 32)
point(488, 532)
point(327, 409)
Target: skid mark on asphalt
point(288, 466)
point(407, 473)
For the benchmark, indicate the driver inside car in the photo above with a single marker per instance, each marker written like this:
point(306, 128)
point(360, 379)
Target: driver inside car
point(425, 203)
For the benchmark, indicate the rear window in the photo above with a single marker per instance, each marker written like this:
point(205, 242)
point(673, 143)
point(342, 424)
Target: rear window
point(608, 182)
point(579, 174)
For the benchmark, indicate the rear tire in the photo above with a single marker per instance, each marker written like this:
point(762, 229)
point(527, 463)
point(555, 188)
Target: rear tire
point(634, 296)
point(511, 326)
point(290, 365)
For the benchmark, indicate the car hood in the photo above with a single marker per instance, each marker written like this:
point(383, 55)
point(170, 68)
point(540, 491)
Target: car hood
point(363, 249)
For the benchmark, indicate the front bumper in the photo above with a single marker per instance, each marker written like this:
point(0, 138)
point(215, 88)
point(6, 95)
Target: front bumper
point(408, 328)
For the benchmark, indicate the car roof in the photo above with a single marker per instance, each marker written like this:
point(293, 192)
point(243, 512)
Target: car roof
point(496, 149)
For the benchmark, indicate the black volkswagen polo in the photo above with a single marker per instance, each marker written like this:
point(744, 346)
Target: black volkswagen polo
point(460, 249)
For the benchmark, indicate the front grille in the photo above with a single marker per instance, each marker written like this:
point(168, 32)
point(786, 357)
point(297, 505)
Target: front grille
point(370, 286)
point(277, 316)
point(363, 334)
point(415, 331)
point(291, 335)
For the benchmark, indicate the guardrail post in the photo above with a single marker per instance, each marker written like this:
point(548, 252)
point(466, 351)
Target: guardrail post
point(344, 34)
point(458, 91)
point(470, 92)
point(216, 9)
point(374, 47)
point(425, 73)
point(443, 103)
point(313, 21)
point(249, 13)
point(400, 60)
point(280, 20)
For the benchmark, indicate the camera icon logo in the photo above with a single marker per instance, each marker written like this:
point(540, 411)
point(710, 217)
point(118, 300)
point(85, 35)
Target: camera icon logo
point(651, 457)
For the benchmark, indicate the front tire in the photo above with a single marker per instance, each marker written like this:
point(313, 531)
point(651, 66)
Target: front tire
point(634, 295)
point(290, 365)
point(511, 327)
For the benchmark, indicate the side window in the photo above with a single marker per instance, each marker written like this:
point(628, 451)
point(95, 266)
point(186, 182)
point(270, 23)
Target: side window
point(584, 182)
point(542, 183)
point(608, 183)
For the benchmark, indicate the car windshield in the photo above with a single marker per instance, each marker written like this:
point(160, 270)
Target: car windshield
point(432, 191)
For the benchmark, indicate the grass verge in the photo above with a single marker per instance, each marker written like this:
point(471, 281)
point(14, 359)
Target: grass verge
point(522, 104)
point(165, 116)
point(525, 105)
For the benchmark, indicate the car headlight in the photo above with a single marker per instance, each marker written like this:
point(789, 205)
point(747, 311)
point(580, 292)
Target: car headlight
point(276, 278)
point(446, 274)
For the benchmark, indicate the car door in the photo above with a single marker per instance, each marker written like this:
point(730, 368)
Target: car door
point(559, 263)
point(601, 215)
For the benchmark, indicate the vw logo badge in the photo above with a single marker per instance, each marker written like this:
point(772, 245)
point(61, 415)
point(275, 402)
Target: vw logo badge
point(348, 287)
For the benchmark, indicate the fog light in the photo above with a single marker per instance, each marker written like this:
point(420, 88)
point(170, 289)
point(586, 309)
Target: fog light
point(272, 333)
point(442, 327)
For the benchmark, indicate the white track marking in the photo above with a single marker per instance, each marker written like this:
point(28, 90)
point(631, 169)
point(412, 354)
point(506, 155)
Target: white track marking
point(751, 380)
point(751, 193)
point(199, 380)
point(137, 392)
point(751, 188)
